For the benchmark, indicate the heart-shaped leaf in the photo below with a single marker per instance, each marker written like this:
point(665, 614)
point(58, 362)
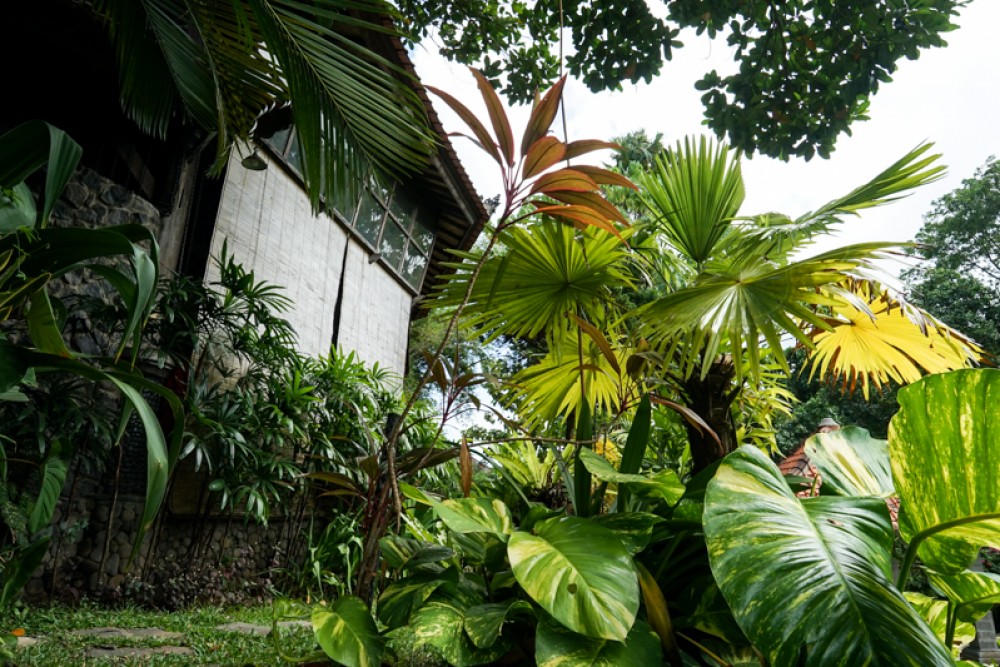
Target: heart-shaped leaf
point(943, 443)
point(809, 579)
point(580, 573)
point(347, 633)
point(556, 646)
point(851, 462)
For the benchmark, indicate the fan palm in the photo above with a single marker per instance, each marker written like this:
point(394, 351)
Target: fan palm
point(750, 291)
point(224, 63)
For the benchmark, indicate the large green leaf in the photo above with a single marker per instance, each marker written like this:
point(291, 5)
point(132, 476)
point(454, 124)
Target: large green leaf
point(943, 443)
point(935, 612)
point(484, 622)
point(347, 633)
point(401, 598)
point(476, 515)
point(441, 624)
point(580, 573)
point(809, 578)
point(556, 646)
point(973, 593)
point(403, 552)
point(851, 462)
point(634, 529)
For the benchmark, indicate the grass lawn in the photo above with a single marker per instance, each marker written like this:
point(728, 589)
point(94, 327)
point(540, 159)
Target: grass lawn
point(59, 647)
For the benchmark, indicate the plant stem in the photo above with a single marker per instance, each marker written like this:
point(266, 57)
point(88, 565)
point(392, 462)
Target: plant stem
point(911, 550)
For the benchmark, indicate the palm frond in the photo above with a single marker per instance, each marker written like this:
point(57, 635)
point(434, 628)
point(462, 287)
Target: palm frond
point(887, 340)
point(751, 301)
point(548, 271)
point(695, 191)
point(895, 182)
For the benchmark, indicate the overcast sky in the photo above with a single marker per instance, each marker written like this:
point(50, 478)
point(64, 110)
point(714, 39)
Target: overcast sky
point(949, 96)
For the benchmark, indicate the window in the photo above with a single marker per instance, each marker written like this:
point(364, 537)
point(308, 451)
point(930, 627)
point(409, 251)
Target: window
point(389, 220)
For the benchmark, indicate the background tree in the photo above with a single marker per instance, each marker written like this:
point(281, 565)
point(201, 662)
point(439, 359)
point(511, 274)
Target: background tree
point(806, 69)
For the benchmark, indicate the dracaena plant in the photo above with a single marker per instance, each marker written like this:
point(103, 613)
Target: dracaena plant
point(534, 184)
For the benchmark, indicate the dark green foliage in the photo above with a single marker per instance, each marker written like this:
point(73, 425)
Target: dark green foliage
point(961, 232)
point(806, 69)
point(818, 400)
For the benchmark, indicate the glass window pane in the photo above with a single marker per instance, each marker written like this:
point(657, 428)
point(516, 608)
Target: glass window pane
point(392, 244)
point(381, 192)
point(294, 155)
point(414, 267)
point(278, 140)
point(423, 235)
point(403, 206)
point(345, 205)
point(369, 221)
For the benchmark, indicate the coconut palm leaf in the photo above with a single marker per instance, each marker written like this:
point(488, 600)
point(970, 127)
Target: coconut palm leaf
point(228, 62)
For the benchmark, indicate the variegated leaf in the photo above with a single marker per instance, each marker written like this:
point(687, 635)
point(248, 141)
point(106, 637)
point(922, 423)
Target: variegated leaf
point(935, 612)
point(851, 462)
point(476, 515)
point(808, 580)
point(401, 598)
point(973, 593)
point(441, 624)
point(634, 529)
point(484, 622)
point(943, 443)
point(556, 646)
point(402, 552)
point(347, 633)
point(581, 573)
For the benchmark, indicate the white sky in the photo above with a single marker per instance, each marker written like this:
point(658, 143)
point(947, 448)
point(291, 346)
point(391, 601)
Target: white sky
point(949, 96)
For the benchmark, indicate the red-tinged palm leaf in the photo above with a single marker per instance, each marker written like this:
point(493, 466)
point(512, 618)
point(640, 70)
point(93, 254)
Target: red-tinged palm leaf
point(542, 115)
point(465, 463)
point(599, 340)
point(593, 201)
point(564, 180)
point(544, 153)
point(690, 416)
point(498, 117)
point(605, 176)
point(581, 217)
point(584, 146)
point(469, 118)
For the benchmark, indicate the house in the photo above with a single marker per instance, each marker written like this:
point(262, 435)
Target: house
point(356, 272)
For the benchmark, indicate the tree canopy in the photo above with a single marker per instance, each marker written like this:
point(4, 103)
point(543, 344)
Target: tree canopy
point(806, 68)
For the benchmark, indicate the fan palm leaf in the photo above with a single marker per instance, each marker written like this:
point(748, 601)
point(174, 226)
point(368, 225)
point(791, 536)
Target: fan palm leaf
point(695, 191)
point(549, 271)
point(751, 301)
point(888, 340)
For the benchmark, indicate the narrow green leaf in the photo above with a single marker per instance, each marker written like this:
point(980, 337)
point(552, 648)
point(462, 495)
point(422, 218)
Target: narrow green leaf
point(53, 475)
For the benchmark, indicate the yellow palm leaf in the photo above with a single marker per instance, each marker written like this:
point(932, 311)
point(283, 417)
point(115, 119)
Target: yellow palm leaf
point(893, 341)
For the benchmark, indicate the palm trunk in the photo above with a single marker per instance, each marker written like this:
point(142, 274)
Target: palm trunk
point(711, 398)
